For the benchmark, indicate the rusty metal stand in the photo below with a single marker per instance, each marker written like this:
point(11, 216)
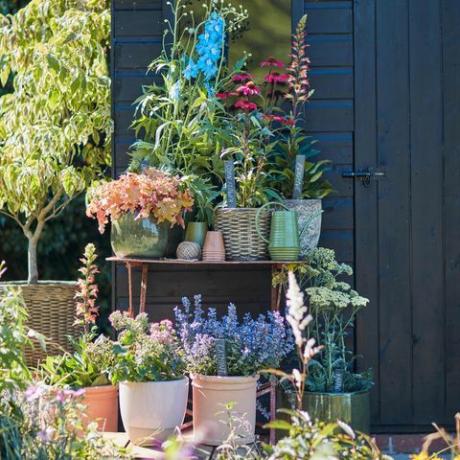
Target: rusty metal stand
point(143, 264)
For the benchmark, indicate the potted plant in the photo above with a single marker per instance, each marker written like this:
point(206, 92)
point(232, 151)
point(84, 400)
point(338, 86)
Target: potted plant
point(150, 371)
point(142, 208)
point(225, 358)
point(87, 368)
point(334, 390)
point(296, 175)
point(54, 137)
point(175, 119)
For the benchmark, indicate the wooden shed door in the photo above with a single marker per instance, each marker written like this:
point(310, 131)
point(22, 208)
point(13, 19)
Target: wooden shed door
point(407, 238)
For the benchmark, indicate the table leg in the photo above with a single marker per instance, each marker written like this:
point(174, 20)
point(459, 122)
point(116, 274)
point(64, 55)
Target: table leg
point(275, 292)
point(272, 436)
point(144, 278)
point(130, 290)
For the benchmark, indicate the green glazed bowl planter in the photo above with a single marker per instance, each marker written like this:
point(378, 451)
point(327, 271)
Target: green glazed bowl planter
point(196, 232)
point(131, 237)
point(284, 244)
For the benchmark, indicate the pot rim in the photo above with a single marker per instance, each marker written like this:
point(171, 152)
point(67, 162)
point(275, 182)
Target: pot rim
point(101, 388)
point(182, 379)
point(302, 200)
point(242, 209)
point(346, 393)
point(225, 378)
point(39, 283)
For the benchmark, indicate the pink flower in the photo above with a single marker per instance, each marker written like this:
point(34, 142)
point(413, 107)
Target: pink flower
point(272, 62)
point(276, 77)
point(249, 89)
point(287, 121)
point(242, 77)
point(245, 105)
point(224, 95)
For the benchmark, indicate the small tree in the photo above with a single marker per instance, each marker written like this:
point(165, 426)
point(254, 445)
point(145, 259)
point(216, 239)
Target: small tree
point(55, 127)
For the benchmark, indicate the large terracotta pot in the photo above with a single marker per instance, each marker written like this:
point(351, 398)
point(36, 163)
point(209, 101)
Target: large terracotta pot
point(131, 237)
point(151, 411)
point(102, 407)
point(211, 394)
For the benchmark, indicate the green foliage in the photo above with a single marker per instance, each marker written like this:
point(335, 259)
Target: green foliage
point(55, 127)
point(318, 441)
point(142, 355)
point(87, 366)
point(14, 373)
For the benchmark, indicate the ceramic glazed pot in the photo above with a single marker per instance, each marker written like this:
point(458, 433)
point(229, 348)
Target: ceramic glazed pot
point(102, 407)
point(132, 237)
point(196, 232)
point(151, 411)
point(309, 212)
point(352, 408)
point(214, 249)
point(210, 394)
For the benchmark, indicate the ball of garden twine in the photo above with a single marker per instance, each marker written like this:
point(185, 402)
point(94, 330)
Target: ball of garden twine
point(188, 250)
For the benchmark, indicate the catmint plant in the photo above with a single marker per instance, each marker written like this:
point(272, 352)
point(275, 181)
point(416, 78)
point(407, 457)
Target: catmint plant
point(251, 344)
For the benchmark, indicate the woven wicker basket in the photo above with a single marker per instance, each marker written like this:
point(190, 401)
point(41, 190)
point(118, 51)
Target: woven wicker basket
point(51, 308)
point(239, 228)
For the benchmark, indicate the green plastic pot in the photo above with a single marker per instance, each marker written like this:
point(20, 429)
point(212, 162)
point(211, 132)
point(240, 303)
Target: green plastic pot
point(131, 237)
point(196, 232)
point(351, 408)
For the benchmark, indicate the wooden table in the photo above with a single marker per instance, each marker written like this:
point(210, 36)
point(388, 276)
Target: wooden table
point(144, 264)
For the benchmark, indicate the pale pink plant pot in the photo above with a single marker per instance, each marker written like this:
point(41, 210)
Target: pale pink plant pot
point(151, 411)
point(214, 248)
point(210, 418)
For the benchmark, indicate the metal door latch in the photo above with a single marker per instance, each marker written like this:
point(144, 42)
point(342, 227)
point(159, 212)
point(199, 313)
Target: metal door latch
point(365, 175)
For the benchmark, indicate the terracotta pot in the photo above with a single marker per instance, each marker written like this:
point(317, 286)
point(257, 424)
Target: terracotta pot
point(151, 411)
point(211, 394)
point(214, 249)
point(102, 407)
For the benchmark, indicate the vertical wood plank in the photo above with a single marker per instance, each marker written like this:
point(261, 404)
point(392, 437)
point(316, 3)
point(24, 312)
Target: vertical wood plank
point(451, 150)
point(395, 317)
point(366, 225)
point(427, 204)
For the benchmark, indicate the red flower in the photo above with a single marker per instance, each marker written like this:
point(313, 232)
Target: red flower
point(276, 77)
point(272, 62)
point(249, 89)
point(224, 95)
point(242, 77)
point(287, 121)
point(245, 105)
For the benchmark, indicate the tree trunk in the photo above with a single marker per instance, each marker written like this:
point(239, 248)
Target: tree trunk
point(32, 261)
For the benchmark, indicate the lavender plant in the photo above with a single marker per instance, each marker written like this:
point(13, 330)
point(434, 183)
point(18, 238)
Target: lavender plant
point(251, 345)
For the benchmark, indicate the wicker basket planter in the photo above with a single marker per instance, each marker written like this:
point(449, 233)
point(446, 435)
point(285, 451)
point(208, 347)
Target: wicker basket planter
point(239, 227)
point(51, 308)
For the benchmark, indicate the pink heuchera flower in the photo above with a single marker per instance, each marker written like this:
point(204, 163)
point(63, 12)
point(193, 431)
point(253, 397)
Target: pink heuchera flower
point(287, 121)
point(272, 62)
point(224, 95)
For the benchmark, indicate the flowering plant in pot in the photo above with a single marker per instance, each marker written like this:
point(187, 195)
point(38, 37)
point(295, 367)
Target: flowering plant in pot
point(150, 371)
point(334, 389)
point(142, 208)
point(87, 367)
point(225, 358)
point(54, 138)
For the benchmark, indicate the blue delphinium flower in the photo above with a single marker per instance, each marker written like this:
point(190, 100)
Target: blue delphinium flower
point(209, 50)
